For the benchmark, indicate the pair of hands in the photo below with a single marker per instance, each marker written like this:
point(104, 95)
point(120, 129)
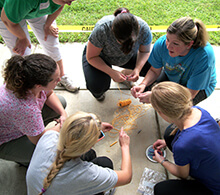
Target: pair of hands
point(119, 77)
point(124, 139)
point(22, 44)
point(158, 145)
point(60, 122)
point(137, 92)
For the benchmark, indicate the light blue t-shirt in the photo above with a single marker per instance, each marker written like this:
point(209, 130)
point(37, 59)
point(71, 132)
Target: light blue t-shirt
point(75, 177)
point(199, 146)
point(196, 70)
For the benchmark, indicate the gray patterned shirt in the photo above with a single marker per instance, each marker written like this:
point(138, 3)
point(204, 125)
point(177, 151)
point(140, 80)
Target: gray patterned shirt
point(103, 37)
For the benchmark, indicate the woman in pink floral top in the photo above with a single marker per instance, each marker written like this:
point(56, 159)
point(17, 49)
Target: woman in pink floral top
point(28, 84)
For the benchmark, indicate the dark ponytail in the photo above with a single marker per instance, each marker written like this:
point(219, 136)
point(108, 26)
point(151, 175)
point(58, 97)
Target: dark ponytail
point(22, 73)
point(125, 28)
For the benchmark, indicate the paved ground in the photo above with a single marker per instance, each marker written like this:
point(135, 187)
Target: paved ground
point(12, 177)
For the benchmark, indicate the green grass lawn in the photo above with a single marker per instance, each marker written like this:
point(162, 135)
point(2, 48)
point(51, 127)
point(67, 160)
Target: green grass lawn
point(154, 12)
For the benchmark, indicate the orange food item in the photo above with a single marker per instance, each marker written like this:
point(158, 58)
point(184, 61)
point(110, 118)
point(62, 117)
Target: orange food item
point(123, 103)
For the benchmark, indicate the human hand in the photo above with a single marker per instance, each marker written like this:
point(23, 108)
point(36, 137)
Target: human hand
point(50, 30)
point(134, 76)
point(124, 139)
point(62, 118)
point(158, 156)
point(144, 97)
point(21, 45)
point(106, 127)
point(56, 127)
point(137, 90)
point(159, 144)
point(118, 76)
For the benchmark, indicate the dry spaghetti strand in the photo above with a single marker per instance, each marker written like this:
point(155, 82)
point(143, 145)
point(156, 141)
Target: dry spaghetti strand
point(126, 117)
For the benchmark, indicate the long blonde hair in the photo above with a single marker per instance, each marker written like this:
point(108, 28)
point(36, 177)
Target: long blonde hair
point(188, 30)
point(172, 99)
point(78, 134)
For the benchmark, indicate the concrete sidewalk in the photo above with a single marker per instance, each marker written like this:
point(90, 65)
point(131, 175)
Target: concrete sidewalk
point(12, 177)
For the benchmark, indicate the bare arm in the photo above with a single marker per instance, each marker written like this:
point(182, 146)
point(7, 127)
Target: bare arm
point(54, 103)
point(22, 42)
point(93, 58)
point(193, 92)
point(151, 76)
point(34, 139)
point(92, 55)
point(142, 57)
point(48, 28)
point(125, 174)
point(53, 16)
point(14, 28)
point(178, 171)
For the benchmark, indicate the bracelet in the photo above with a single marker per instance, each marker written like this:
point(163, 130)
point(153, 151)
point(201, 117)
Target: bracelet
point(163, 161)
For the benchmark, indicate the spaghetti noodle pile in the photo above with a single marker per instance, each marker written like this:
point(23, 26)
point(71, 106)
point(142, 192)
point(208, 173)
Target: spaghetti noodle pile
point(126, 117)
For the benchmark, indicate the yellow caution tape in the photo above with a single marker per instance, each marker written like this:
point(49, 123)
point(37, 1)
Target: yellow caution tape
point(89, 28)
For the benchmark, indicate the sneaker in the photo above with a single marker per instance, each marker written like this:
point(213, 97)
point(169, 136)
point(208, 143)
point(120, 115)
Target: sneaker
point(67, 83)
point(110, 192)
point(218, 121)
point(59, 84)
point(101, 98)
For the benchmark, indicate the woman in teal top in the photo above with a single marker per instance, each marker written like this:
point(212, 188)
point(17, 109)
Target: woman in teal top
point(184, 56)
point(41, 15)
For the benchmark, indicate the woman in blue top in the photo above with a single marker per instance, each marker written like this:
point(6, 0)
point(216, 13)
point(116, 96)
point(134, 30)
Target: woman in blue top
point(194, 143)
point(122, 40)
point(40, 15)
point(185, 57)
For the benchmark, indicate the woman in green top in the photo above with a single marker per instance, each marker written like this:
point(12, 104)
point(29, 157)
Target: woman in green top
point(40, 15)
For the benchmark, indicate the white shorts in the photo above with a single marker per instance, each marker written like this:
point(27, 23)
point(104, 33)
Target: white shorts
point(50, 47)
